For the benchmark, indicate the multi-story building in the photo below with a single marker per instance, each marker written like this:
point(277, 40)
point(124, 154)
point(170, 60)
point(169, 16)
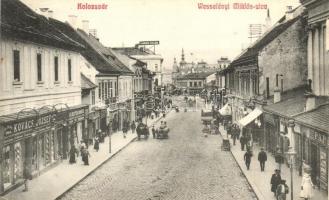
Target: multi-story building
point(153, 60)
point(274, 63)
point(185, 67)
point(194, 83)
point(40, 94)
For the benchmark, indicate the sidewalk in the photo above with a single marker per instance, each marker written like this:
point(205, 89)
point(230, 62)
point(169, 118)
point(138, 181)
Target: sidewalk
point(260, 181)
point(64, 176)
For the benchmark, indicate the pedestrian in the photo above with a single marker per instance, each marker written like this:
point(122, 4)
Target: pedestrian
point(124, 130)
point(73, 152)
point(96, 144)
point(242, 142)
point(275, 181)
point(307, 186)
point(133, 127)
point(282, 190)
point(81, 147)
point(262, 158)
point(85, 156)
point(247, 159)
point(153, 131)
point(229, 129)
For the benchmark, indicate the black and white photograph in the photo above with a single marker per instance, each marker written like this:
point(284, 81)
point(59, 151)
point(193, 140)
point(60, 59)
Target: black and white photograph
point(164, 99)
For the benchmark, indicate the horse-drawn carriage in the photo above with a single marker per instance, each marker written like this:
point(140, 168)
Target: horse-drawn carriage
point(211, 125)
point(142, 129)
point(162, 133)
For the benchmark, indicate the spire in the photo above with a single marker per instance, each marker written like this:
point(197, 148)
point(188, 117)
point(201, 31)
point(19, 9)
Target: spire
point(183, 56)
point(268, 13)
point(268, 21)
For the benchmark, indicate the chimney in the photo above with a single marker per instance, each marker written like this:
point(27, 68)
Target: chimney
point(289, 13)
point(73, 21)
point(50, 14)
point(277, 90)
point(85, 26)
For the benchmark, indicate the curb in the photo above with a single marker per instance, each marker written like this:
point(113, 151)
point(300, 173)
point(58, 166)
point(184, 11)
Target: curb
point(258, 194)
point(97, 167)
point(102, 163)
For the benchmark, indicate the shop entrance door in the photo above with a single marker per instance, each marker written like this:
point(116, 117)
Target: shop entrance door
point(314, 163)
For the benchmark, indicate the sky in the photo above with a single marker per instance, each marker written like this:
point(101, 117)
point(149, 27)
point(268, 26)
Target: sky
point(205, 34)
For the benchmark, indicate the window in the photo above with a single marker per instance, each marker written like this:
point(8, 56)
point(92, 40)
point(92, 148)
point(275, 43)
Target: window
point(190, 84)
point(17, 76)
point(39, 67)
point(200, 84)
point(111, 89)
point(69, 68)
point(115, 89)
point(195, 84)
point(93, 97)
point(56, 68)
point(99, 90)
point(156, 67)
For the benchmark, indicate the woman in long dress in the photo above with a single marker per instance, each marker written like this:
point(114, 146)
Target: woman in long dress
point(306, 187)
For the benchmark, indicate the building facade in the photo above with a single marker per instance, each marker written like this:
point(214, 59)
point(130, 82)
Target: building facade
point(40, 96)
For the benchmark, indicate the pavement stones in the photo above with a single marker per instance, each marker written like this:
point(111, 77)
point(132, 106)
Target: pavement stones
point(64, 176)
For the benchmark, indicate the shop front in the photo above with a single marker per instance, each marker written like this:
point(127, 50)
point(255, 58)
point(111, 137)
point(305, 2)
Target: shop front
point(29, 145)
point(271, 132)
point(77, 124)
point(315, 153)
point(93, 124)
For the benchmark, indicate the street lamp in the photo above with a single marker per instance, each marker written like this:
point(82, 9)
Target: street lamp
point(290, 156)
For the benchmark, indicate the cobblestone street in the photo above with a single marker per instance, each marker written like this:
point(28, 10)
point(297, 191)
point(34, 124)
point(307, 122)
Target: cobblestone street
point(186, 166)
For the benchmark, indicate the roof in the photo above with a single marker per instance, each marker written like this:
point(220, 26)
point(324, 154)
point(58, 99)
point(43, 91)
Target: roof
point(317, 118)
point(18, 21)
point(107, 52)
point(86, 83)
point(293, 103)
point(288, 107)
point(94, 57)
point(202, 75)
point(250, 54)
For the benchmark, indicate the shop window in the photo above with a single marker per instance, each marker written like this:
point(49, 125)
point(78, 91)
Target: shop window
point(18, 165)
point(17, 76)
point(6, 167)
point(34, 154)
point(47, 149)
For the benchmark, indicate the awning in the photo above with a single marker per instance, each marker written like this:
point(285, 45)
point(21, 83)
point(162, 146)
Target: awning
point(250, 117)
point(226, 110)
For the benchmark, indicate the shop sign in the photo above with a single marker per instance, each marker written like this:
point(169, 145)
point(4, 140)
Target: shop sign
point(318, 137)
point(76, 113)
point(29, 124)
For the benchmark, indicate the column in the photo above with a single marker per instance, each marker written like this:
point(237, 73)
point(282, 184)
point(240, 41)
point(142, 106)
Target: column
point(291, 134)
point(310, 54)
point(316, 75)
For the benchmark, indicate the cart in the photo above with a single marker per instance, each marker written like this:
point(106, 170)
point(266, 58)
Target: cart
point(142, 129)
point(226, 146)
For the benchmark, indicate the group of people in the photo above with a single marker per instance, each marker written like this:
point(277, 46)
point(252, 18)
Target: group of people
point(163, 125)
point(83, 152)
point(278, 185)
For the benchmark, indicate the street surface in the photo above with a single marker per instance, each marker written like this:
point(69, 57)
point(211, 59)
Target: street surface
point(186, 166)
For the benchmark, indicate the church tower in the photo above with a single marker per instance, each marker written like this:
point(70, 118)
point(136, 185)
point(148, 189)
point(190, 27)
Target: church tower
point(182, 62)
